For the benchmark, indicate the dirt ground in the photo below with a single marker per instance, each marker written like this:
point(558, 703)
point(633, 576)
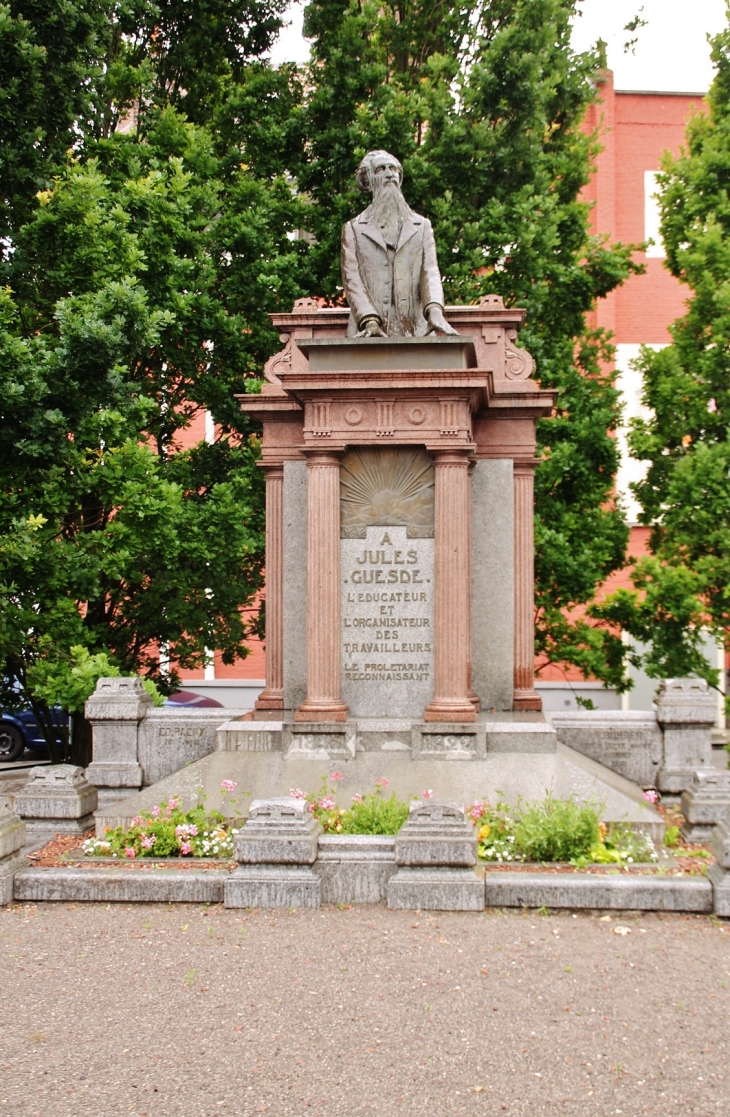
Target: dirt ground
point(190, 1011)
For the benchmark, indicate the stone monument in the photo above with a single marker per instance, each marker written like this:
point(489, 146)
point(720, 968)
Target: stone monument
point(399, 449)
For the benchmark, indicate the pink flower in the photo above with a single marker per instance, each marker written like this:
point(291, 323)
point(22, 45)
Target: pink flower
point(651, 796)
point(427, 794)
point(336, 777)
point(382, 782)
point(129, 852)
point(476, 810)
point(228, 785)
point(149, 840)
point(296, 793)
point(185, 848)
point(357, 798)
point(327, 804)
point(711, 405)
point(174, 803)
point(155, 812)
point(137, 821)
point(311, 808)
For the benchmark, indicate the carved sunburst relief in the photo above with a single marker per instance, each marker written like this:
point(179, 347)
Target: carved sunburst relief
point(388, 488)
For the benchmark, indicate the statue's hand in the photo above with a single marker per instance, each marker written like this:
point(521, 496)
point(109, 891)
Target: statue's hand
point(371, 328)
point(437, 323)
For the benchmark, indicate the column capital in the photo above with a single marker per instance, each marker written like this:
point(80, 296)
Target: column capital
point(456, 456)
point(323, 455)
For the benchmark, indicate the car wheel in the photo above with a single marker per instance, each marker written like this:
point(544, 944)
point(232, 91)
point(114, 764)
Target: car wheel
point(12, 745)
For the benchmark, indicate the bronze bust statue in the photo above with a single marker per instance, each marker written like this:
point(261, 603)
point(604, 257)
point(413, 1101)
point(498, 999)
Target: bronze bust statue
point(389, 266)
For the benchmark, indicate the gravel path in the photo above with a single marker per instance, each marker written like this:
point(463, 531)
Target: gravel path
point(156, 1011)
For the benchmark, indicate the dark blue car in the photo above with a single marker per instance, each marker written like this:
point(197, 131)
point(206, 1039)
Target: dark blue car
point(20, 731)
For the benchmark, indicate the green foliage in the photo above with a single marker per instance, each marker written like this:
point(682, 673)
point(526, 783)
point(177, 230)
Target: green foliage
point(685, 496)
point(369, 814)
point(556, 830)
point(139, 262)
point(671, 836)
point(483, 104)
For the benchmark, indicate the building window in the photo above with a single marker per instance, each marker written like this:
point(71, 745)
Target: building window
point(651, 216)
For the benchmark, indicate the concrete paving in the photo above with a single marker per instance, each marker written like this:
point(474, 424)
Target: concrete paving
point(195, 1011)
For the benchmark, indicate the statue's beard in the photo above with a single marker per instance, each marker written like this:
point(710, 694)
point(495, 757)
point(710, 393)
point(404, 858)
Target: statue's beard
point(389, 208)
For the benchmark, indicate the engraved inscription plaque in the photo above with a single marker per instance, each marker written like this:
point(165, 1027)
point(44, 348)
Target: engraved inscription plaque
point(387, 623)
point(386, 575)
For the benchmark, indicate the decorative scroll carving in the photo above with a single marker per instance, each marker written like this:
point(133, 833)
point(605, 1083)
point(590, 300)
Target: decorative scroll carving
point(303, 306)
point(518, 363)
point(281, 361)
point(494, 301)
point(388, 488)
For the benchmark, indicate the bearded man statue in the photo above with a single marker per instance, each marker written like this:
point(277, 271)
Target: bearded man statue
point(389, 266)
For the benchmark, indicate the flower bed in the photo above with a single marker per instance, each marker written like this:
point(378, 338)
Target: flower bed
point(556, 831)
point(167, 831)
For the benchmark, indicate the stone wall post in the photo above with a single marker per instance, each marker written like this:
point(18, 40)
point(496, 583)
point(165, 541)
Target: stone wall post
point(525, 695)
point(686, 711)
point(272, 697)
point(452, 597)
point(115, 711)
point(323, 701)
point(12, 840)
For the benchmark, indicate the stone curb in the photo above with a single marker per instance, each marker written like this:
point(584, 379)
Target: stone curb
point(568, 890)
point(121, 885)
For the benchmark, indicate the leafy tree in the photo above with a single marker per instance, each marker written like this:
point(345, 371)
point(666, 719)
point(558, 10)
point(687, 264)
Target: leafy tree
point(483, 103)
point(685, 495)
point(137, 292)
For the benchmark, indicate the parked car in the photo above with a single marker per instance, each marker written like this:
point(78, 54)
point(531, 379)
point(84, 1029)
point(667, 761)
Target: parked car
point(19, 731)
point(188, 700)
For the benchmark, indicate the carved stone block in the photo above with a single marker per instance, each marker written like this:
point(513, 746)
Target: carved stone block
point(57, 797)
point(12, 830)
point(278, 832)
point(436, 833)
point(432, 741)
point(704, 804)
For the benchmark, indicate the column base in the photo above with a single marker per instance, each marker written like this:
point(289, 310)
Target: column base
point(475, 701)
point(526, 699)
point(321, 710)
point(271, 698)
point(457, 710)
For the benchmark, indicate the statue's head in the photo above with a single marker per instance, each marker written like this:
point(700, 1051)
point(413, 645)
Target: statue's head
point(376, 168)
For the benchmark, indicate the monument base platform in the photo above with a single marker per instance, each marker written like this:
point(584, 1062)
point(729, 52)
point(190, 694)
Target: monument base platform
point(508, 756)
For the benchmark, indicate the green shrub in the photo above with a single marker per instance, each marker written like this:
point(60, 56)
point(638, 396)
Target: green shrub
point(557, 829)
point(368, 814)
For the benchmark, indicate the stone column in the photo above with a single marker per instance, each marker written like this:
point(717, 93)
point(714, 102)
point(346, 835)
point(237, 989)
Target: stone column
point(525, 695)
point(323, 702)
point(115, 711)
point(473, 696)
point(452, 598)
point(272, 697)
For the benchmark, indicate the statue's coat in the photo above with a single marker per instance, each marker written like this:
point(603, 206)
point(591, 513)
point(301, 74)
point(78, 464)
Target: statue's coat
point(369, 268)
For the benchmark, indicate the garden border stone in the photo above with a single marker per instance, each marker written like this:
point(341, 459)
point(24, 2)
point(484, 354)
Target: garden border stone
point(120, 885)
point(623, 893)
